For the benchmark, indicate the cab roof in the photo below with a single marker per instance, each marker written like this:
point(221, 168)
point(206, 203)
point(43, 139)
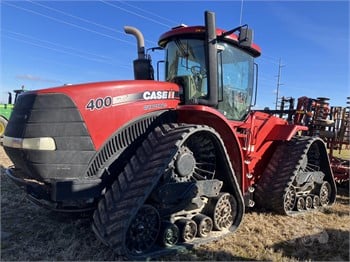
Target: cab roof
point(199, 31)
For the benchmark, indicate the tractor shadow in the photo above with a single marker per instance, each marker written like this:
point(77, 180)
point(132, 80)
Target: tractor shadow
point(199, 254)
point(322, 245)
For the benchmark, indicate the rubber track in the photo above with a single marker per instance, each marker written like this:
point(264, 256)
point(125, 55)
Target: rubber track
point(129, 192)
point(280, 174)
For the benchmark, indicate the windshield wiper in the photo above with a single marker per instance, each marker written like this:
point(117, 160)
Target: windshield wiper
point(180, 46)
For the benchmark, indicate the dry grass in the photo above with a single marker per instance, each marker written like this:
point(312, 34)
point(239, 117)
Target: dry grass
point(32, 233)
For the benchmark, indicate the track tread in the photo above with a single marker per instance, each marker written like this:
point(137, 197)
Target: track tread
point(280, 174)
point(127, 194)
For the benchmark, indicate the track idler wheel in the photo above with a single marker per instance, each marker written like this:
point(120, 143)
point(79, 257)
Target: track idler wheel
point(222, 209)
point(205, 225)
point(325, 194)
point(169, 234)
point(143, 230)
point(289, 199)
point(187, 228)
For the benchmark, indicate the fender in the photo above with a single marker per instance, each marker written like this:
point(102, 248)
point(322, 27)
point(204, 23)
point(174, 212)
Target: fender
point(126, 138)
point(265, 129)
point(203, 115)
point(284, 132)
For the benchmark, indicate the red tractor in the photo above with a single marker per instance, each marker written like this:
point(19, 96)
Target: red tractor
point(167, 164)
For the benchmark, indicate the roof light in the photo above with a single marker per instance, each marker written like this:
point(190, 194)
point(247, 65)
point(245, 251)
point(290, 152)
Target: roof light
point(179, 26)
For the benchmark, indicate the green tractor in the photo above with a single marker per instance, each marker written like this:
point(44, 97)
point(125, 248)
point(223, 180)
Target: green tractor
point(6, 110)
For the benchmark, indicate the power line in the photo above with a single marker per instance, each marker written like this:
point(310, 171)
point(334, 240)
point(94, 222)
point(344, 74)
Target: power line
point(71, 24)
point(55, 44)
point(268, 60)
point(51, 48)
point(77, 17)
point(136, 14)
point(149, 12)
point(62, 51)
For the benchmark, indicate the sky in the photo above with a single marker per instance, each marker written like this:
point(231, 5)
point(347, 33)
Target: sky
point(52, 43)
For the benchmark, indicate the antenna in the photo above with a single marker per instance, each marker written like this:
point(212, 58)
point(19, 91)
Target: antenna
point(240, 17)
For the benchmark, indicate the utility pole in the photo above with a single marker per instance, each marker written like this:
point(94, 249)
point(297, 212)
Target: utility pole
point(278, 81)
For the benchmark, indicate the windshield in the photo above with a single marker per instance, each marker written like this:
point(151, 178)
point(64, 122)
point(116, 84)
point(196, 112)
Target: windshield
point(185, 65)
point(236, 78)
point(185, 60)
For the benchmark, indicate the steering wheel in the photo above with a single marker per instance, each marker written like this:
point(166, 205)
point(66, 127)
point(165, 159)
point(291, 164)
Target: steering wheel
point(198, 71)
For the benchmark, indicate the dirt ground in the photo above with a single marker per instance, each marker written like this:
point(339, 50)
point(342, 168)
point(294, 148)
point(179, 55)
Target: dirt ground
point(29, 233)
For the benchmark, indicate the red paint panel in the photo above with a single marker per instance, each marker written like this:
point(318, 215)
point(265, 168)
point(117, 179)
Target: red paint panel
point(203, 115)
point(106, 106)
point(284, 132)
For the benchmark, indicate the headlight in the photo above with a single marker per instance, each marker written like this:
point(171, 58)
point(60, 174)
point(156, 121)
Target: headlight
point(37, 143)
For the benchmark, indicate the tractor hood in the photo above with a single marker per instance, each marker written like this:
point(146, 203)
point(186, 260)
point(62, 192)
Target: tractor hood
point(103, 107)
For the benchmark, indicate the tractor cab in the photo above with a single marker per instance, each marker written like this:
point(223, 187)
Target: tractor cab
point(212, 67)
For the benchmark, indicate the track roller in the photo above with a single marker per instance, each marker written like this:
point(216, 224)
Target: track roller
point(205, 225)
point(300, 206)
point(308, 202)
point(169, 234)
point(316, 202)
point(188, 229)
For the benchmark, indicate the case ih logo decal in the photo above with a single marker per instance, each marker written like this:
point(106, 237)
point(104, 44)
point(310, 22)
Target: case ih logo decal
point(158, 95)
point(108, 101)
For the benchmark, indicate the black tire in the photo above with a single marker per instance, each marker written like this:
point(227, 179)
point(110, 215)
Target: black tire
point(3, 124)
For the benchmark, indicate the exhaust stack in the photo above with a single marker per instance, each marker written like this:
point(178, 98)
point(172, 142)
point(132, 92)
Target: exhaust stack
point(140, 40)
point(143, 69)
point(211, 60)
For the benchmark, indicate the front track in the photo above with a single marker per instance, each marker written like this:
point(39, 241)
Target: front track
point(170, 195)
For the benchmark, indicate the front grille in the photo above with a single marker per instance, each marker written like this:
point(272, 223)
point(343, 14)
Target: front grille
point(50, 115)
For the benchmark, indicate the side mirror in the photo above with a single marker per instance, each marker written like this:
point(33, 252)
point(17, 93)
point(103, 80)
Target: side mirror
point(245, 36)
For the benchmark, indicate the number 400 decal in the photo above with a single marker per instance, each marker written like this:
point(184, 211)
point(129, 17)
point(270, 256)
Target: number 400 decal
point(99, 103)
